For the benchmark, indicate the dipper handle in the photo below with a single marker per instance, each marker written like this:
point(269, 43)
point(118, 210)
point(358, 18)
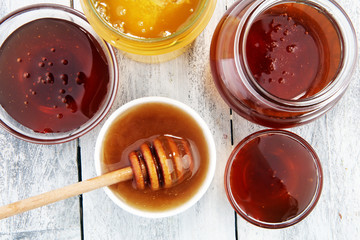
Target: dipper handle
point(162, 163)
point(59, 194)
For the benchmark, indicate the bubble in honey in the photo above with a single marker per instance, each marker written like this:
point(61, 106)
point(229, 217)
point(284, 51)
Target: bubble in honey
point(78, 80)
point(35, 85)
point(64, 78)
point(146, 18)
point(281, 80)
point(26, 75)
point(291, 48)
point(121, 11)
point(277, 48)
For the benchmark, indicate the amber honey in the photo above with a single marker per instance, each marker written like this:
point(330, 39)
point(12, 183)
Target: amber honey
point(142, 124)
point(293, 51)
point(273, 178)
point(147, 18)
point(53, 76)
point(283, 63)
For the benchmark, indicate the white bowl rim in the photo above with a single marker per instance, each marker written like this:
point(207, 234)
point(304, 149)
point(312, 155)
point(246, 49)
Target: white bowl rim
point(211, 148)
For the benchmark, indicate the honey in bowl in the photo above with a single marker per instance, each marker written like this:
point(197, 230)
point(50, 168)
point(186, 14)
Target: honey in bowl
point(273, 178)
point(147, 18)
point(143, 123)
point(53, 75)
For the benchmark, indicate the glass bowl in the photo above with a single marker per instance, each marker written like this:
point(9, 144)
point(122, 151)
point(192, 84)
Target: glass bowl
point(273, 178)
point(155, 49)
point(55, 95)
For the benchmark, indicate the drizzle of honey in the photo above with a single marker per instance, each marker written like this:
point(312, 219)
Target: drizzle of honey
point(147, 18)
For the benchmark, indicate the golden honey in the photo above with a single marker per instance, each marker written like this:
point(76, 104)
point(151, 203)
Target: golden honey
point(147, 18)
point(149, 30)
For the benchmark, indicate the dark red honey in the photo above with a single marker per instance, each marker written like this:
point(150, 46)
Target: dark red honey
point(53, 75)
point(273, 177)
point(279, 64)
point(288, 52)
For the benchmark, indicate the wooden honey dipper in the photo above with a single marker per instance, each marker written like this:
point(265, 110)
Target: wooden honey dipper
point(161, 163)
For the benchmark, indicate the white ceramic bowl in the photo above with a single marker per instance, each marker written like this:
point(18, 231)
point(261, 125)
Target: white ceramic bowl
point(211, 153)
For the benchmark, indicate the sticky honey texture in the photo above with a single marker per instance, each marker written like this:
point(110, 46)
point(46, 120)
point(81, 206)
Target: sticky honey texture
point(147, 19)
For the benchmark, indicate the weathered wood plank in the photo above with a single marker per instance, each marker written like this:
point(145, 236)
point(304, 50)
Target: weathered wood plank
point(187, 79)
point(29, 169)
point(35, 168)
point(335, 138)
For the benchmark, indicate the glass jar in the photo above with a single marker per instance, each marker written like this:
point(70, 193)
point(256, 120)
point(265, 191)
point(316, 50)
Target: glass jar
point(283, 63)
point(273, 178)
point(69, 95)
point(154, 49)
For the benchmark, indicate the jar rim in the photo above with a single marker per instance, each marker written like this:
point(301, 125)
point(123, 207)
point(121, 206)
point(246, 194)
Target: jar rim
point(62, 12)
point(201, 9)
point(317, 192)
point(341, 79)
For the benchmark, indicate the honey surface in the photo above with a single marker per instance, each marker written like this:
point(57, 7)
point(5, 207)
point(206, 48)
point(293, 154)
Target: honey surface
point(293, 51)
point(273, 178)
point(53, 78)
point(147, 18)
point(139, 125)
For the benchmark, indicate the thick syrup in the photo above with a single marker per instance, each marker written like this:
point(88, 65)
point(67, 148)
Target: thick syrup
point(279, 58)
point(53, 75)
point(143, 124)
point(147, 18)
point(293, 51)
point(273, 178)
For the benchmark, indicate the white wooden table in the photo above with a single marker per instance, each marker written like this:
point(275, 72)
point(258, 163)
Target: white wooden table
point(28, 169)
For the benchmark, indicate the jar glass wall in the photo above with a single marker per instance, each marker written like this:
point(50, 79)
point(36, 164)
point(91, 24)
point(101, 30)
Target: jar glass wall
point(151, 49)
point(283, 63)
point(273, 178)
point(58, 85)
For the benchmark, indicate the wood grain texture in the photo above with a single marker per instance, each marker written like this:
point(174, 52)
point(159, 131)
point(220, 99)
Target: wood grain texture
point(28, 169)
point(187, 79)
point(335, 138)
point(72, 190)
